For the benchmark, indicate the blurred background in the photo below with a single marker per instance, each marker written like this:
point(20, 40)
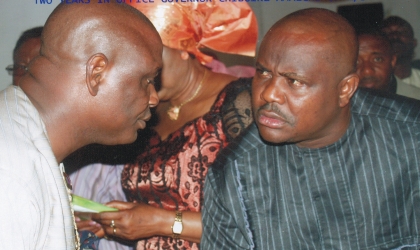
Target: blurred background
point(19, 15)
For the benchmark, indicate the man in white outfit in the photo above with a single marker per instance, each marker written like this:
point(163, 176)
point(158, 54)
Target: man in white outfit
point(91, 83)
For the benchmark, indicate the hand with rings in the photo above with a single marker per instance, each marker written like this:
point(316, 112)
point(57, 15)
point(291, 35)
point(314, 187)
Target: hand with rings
point(112, 225)
point(135, 221)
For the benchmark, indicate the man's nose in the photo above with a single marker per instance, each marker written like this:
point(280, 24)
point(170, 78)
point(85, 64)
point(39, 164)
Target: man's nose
point(365, 68)
point(274, 90)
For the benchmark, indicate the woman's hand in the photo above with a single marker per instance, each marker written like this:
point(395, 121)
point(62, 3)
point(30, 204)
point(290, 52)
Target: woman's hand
point(135, 221)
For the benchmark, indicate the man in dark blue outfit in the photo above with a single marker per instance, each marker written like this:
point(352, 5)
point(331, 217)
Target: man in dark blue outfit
point(326, 166)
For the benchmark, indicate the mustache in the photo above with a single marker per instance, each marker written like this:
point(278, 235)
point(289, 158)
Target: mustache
point(369, 79)
point(396, 41)
point(274, 107)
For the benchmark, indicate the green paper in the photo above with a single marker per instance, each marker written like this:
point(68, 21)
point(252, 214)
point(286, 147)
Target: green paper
point(81, 204)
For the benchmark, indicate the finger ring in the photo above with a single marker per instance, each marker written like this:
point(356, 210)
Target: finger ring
point(112, 224)
point(115, 231)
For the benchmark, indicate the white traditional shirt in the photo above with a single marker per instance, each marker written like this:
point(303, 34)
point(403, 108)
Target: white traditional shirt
point(35, 210)
point(408, 90)
point(413, 79)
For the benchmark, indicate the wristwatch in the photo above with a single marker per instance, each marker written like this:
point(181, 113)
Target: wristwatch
point(177, 226)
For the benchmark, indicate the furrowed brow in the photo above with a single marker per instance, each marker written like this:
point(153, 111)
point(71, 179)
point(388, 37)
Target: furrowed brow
point(260, 66)
point(293, 75)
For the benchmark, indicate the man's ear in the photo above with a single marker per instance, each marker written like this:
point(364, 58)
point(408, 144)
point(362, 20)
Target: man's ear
point(95, 68)
point(348, 87)
point(393, 61)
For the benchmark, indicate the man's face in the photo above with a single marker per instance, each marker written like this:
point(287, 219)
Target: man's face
point(295, 93)
point(132, 94)
point(27, 51)
point(402, 40)
point(375, 62)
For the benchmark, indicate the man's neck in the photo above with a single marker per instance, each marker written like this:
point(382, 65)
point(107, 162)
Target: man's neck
point(61, 130)
point(331, 133)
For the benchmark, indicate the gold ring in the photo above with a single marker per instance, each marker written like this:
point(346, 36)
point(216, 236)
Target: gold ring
point(115, 231)
point(112, 224)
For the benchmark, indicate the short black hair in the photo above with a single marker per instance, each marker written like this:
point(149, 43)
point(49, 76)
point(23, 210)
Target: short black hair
point(373, 31)
point(26, 35)
point(377, 34)
point(396, 20)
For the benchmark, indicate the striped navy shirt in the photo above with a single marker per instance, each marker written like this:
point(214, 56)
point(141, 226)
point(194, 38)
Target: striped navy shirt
point(362, 192)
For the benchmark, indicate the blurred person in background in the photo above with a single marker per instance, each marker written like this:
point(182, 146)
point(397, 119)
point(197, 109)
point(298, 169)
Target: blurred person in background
point(401, 36)
point(26, 48)
point(375, 65)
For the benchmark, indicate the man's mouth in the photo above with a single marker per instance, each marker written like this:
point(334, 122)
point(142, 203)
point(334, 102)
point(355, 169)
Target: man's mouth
point(270, 119)
point(142, 121)
point(369, 82)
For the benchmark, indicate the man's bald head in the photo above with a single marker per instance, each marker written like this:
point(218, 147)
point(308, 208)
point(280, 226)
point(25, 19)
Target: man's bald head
point(76, 31)
point(94, 71)
point(328, 29)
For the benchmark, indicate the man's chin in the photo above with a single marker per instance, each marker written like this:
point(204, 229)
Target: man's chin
point(126, 139)
point(131, 139)
point(271, 135)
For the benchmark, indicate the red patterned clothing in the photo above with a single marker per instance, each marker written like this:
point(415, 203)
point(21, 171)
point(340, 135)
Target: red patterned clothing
point(170, 174)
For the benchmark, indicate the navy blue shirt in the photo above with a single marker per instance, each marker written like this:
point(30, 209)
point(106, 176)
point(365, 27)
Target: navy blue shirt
point(362, 192)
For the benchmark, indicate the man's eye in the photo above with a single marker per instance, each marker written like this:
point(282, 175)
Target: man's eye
point(151, 81)
point(295, 82)
point(263, 72)
point(378, 59)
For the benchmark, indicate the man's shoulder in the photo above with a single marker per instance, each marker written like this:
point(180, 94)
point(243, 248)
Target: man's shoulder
point(14, 102)
point(23, 139)
point(407, 90)
point(236, 110)
point(238, 86)
point(7, 96)
point(18, 156)
point(415, 73)
point(414, 78)
point(386, 106)
point(248, 141)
